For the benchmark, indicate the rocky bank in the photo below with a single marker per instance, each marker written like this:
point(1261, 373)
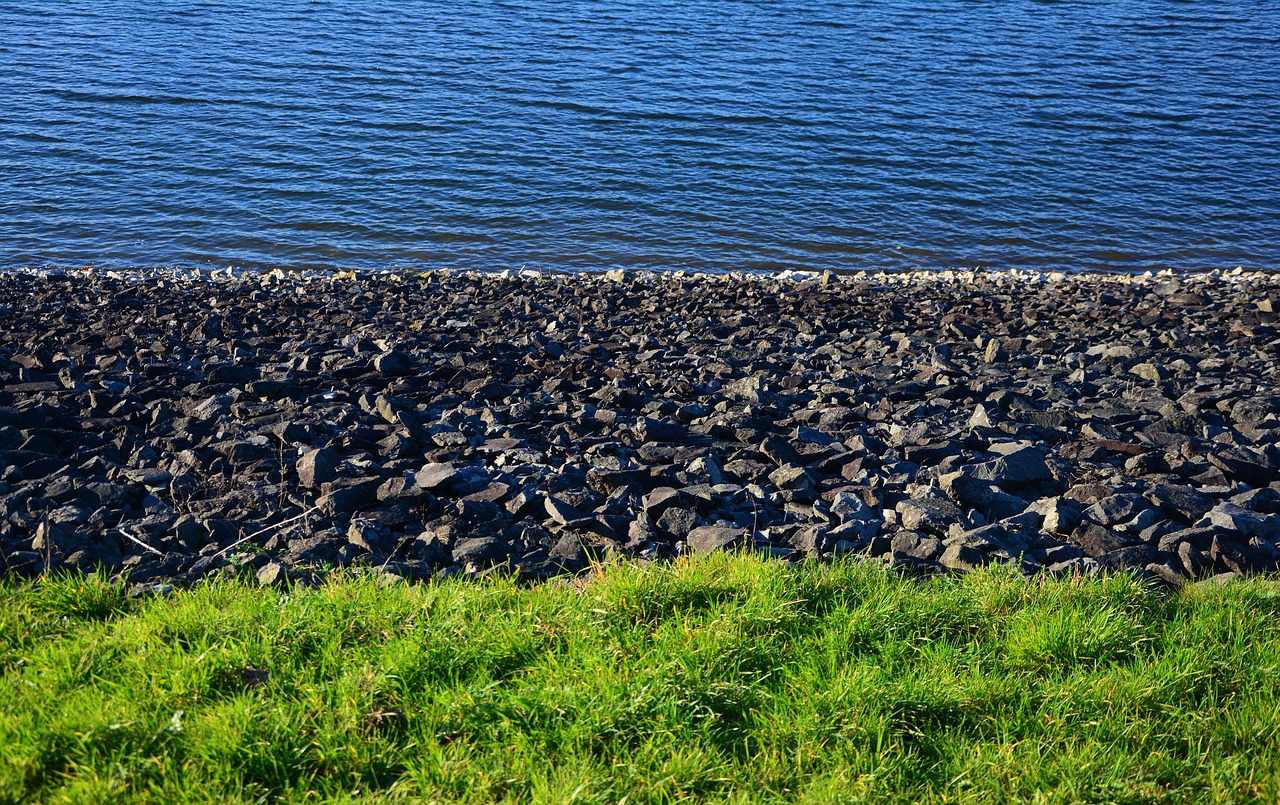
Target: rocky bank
point(170, 425)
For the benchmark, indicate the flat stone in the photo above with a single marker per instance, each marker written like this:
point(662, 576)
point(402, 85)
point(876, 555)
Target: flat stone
point(962, 558)
point(1021, 468)
point(706, 539)
point(316, 467)
point(1116, 509)
point(481, 551)
point(1230, 517)
point(928, 515)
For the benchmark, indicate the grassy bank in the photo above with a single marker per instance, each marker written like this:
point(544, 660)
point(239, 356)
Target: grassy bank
point(725, 679)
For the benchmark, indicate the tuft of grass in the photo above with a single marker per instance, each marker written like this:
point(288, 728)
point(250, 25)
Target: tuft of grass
point(721, 679)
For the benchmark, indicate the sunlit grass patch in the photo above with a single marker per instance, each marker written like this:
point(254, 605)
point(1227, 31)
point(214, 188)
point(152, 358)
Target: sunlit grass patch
point(725, 679)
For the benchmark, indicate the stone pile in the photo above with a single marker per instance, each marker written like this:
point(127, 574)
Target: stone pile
point(167, 425)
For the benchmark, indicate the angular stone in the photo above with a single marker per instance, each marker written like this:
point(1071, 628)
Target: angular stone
point(677, 522)
point(272, 573)
point(930, 515)
point(790, 477)
point(1021, 468)
point(780, 452)
point(481, 551)
point(984, 496)
point(1060, 516)
point(1095, 540)
point(1133, 557)
point(1120, 508)
point(848, 506)
point(316, 467)
point(434, 476)
point(706, 539)
point(394, 363)
point(1182, 502)
point(1230, 517)
point(662, 499)
point(962, 558)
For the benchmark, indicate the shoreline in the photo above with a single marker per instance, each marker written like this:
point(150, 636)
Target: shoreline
point(178, 424)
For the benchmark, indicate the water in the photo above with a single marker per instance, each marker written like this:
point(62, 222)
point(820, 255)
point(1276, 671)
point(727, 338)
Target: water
point(590, 135)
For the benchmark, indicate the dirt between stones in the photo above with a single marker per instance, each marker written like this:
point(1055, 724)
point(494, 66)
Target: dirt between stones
point(167, 426)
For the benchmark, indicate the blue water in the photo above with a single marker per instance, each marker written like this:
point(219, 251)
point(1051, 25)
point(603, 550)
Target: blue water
point(589, 135)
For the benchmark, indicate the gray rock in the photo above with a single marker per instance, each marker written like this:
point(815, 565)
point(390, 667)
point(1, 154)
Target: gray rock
point(790, 477)
point(1095, 540)
point(706, 539)
point(569, 552)
point(1060, 516)
point(982, 495)
point(1230, 517)
point(661, 499)
point(394, 363)
point(316, 467)
point(481, 551)
point(1023, 467)
point(677, 522)
point(962, 558)
point(272, 573)
point(931, 515)
point(1120, 508)
point(1183, 502)
point(848, 506)
point(1133, 557)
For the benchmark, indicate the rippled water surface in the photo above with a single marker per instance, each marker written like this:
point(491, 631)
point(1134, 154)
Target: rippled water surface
point(591, 135)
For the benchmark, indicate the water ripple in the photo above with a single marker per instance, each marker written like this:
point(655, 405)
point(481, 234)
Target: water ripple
point(651, 133)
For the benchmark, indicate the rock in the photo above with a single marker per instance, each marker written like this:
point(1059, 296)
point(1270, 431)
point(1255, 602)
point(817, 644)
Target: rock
point(569, 553)
point(271, 574)
point(1120, 508)
point(789, 477)
point(561, 512)
point(962, 558)
point(1096, 540)
point(780, 452)
point(661, 499)
point(316, 467)
point(481, 552)
point(367, 534)
point(1060, 516)
point(1134, 557)
point(433, 477)
point(394, 363)
point(1254, 467)
point(1230, 517)
point(932, 515)
point(1149, 371)
point(1021, 468)
point(994, 352)
point(984, 496)
point(1239, 557)
point(677, 522)
point(1180, 501)
point(706, 539)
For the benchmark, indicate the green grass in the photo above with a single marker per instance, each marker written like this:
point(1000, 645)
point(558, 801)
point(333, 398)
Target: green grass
point(725, 679)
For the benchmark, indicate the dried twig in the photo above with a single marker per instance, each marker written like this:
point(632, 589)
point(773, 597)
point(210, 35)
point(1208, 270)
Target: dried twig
point(260, 532)
point(134, 539)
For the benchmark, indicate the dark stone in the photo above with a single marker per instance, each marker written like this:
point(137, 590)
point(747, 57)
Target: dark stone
point(1117, 509)
point(962, 557)
point(1096, 540)
point(394, 363)
point(316, 467)
point(1182, 502)
point(715, 537)
point(481, 551)
point(1131, 558)
point(1020, 468)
